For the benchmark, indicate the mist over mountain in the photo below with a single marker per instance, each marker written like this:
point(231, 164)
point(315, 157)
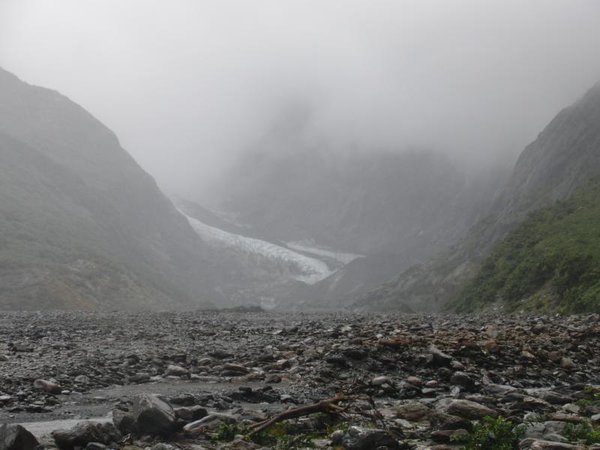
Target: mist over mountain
point(189, 86)
point(392, 209)
point(367, 202)
point(307, 162)
point(563, 159)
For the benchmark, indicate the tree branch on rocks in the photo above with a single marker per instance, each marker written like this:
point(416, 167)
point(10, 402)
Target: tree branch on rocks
point(328, 406)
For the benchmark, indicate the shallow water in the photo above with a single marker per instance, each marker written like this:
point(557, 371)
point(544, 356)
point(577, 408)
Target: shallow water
point(43, 429)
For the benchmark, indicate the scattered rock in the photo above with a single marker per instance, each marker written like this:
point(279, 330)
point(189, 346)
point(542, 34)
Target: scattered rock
point(469, 410)
point(539, 444)
point(413, 411)
point(47, 386)
point(358, 438)
point(438, 357)
point(431, 379)
point(176, 371)
point(85, 433)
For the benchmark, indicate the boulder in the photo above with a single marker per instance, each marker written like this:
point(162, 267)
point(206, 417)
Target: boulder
point(15, 437)
point(176, 371)
point(538, 444)
point(469, 410)
point(438, 357)
point(47, 386)
point(413, 411)
point(85, 433)
point(124, 421)
point(153, 415)
point(191, 413)
point(359, 438)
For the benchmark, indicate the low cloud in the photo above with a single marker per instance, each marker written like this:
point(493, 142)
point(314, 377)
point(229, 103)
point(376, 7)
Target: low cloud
point(188, 85)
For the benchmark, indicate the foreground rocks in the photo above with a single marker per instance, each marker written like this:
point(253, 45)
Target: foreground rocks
point(412, 381)
point(15, 437)
point(84, 434)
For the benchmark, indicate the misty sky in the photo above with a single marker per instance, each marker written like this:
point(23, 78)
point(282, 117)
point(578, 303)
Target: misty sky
point(187, 85)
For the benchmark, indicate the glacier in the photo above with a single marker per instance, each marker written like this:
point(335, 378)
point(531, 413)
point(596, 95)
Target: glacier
point(301, 267)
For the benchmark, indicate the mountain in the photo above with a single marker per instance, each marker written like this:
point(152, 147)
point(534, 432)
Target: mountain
point(564, 157)
point(82, 226)
point(371, 203)
point(549, 263)
point(390, 209)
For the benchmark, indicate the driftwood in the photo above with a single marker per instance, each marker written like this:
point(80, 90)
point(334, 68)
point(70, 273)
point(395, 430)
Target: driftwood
point(328, 406)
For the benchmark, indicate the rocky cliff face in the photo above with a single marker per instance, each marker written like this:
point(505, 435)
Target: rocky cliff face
point(564, 156)
point(82, 226)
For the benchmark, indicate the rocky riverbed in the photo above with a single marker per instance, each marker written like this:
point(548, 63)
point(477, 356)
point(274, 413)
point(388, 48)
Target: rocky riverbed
point(204, 380)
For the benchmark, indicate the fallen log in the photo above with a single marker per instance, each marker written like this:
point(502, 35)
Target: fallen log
point(328, 406)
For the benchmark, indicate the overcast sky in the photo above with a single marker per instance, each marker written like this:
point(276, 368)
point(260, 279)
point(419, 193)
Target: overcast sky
point(188, 84)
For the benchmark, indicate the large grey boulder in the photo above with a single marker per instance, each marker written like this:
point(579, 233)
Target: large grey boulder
point(153, 415)
point(15, 437)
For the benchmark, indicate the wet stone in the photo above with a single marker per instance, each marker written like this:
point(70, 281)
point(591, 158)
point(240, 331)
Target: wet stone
point(16, 437)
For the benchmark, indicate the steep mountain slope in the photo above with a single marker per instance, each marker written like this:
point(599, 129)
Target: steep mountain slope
point(549, 263)
point(82, 226)
point(565, 156)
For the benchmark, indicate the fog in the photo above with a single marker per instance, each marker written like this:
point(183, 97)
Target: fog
point(188, 85)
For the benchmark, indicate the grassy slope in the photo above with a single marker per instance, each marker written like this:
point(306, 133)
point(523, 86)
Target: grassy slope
point(549, 263)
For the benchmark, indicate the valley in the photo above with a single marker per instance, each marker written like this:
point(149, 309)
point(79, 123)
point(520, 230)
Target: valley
point(289, 225)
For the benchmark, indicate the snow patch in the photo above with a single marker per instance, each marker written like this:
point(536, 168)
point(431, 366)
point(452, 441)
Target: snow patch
point(313, 249)
point(306, 269)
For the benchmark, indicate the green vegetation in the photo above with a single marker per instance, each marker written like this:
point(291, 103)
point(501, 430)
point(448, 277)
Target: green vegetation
point(494, 434)
point(591, 404)
point(226, 432)
point(550, 263)
point(284, 435)
point(582, 432)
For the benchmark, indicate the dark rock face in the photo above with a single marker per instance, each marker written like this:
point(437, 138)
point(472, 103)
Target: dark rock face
point(84, 434)
point(564, 156)
point(15, 437)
